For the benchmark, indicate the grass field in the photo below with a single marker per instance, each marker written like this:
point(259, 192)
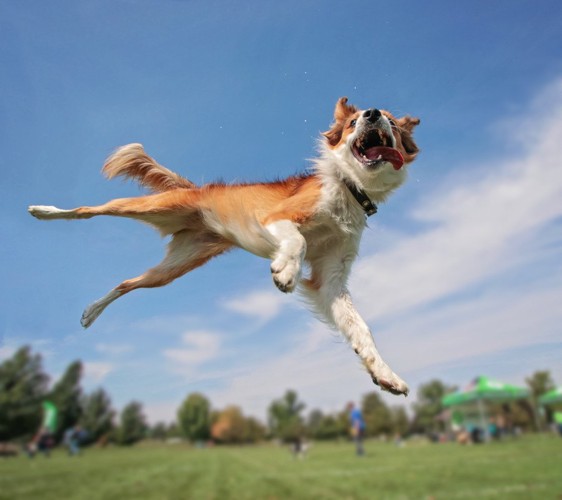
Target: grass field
point(526, 468)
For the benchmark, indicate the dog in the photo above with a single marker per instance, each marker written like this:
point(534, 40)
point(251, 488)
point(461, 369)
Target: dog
point(314, 219)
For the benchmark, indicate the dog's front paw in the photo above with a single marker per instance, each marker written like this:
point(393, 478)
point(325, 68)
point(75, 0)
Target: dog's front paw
point(285, 273)
point(387, 380)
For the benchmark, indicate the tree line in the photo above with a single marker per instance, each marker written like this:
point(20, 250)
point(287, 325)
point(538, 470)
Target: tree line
point(24, 386)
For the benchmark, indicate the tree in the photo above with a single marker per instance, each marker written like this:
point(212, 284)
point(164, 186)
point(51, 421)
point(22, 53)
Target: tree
point(97, 415)
point(332, 426)
point(132, 426)
point(314, 423)
point(429, 405)
point(158, 431)
point(23, 386)
point(376, 414)
point(285, 419)
point(255, 430)
point(540, 383)
point(66, 395)
point(231, 426)
point(173, 431)
point(400, 420)
point(194, 417)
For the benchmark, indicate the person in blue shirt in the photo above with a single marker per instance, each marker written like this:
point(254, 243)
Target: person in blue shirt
point(73, 438)
point(357, 427)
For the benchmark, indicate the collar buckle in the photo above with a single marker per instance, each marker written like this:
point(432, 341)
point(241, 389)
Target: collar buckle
point(367, 205)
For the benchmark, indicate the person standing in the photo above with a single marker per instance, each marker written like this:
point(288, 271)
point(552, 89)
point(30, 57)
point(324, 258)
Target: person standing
point(357, 427)
point(557, 416)
point(72, 438)
point(44, 439)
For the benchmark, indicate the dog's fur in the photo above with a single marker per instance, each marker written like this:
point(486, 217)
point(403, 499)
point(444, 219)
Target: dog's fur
point(312, 219)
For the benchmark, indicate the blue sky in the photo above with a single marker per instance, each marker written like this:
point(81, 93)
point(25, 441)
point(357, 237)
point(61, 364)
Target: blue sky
point(459, 274)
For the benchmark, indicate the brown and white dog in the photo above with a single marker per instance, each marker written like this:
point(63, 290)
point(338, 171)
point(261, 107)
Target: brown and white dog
point(315, 219)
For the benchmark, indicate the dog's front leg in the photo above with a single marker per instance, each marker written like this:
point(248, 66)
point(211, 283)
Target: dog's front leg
point(351, 324)
point(326, 290)
point(287, 261)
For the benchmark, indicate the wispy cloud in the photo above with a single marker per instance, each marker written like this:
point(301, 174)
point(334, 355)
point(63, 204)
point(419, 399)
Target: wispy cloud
point(161, 412)
point(263, 305)
point(198, 347)
point(96, 371)
point(113, 349)
point(45, 346)
point(6, 351)
point(320, 366)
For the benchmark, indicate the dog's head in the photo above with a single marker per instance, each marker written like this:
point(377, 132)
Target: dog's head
point(371, 141)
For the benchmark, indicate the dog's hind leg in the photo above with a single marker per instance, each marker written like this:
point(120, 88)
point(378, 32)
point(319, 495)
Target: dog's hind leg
point(186, 251)
point(114, 207)
point(140, 207)
point(124, 207)
point(169, 212)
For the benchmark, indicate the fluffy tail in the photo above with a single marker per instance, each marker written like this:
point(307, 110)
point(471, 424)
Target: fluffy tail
point(132, 162)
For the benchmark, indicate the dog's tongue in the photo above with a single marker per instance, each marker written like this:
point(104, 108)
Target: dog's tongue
point(383, 153)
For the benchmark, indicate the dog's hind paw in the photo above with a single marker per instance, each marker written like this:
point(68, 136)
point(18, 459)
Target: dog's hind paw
point(42, 211)
point(90, 314)
point(47, 212)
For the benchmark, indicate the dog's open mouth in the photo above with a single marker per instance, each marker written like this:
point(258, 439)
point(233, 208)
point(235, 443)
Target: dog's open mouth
point(371, 150)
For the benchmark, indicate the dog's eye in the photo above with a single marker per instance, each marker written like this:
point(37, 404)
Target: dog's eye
point(392, 122)
point(352, 123)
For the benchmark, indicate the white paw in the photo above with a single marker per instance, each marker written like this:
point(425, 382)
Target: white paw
point(90, 314)
point(43, 211)
point(387, 380)
point(286, 272)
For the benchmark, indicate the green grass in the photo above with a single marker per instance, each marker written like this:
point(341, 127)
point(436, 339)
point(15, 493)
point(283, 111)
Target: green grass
point(526, 468)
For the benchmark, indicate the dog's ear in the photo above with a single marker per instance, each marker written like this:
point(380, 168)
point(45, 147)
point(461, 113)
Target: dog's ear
point(343, 110)
point(406, 126)
point(341, 113)
point(408, 123)
point(333, 136)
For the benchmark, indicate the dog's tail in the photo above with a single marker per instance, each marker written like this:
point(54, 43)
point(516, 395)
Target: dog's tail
point(132, 162)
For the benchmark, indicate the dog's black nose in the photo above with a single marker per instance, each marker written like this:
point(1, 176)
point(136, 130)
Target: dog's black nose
point(372, 114)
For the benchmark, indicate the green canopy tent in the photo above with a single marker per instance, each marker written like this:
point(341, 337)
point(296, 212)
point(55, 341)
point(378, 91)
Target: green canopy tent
point(483, 389)
point(551, 397)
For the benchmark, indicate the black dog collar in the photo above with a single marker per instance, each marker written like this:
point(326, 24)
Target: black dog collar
point(367, 205)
